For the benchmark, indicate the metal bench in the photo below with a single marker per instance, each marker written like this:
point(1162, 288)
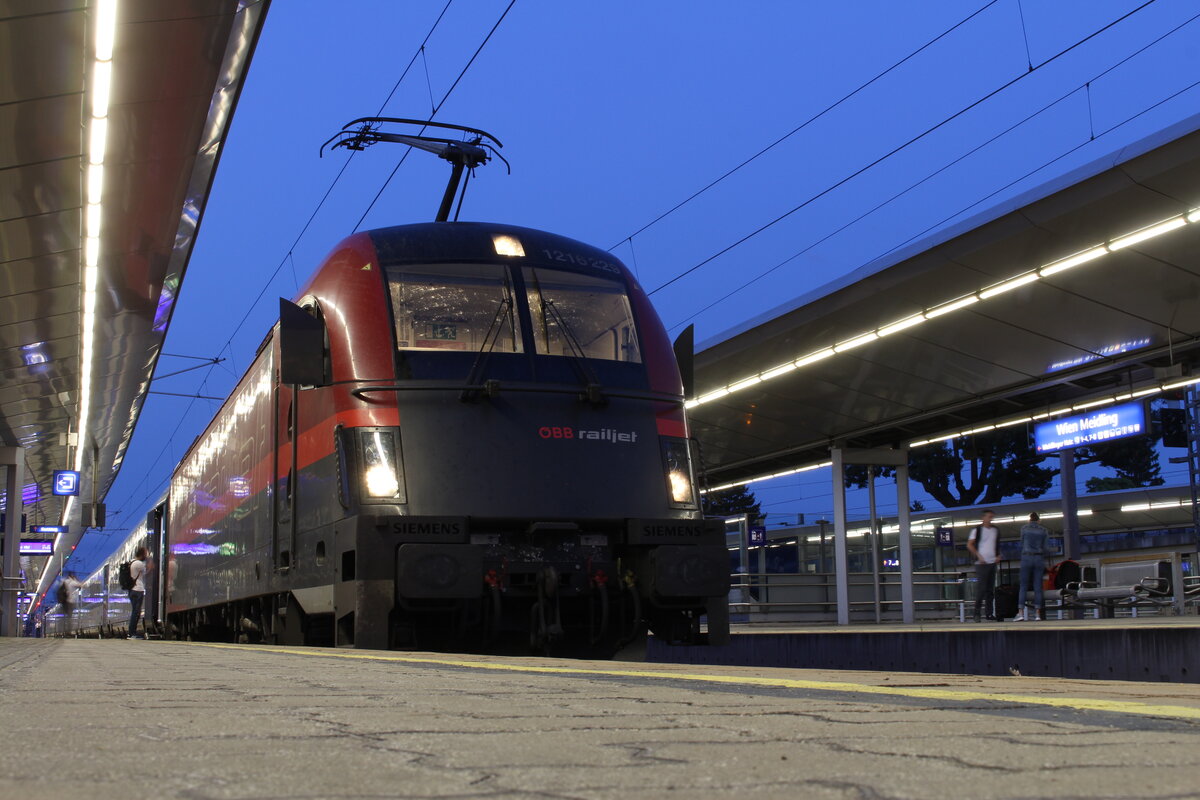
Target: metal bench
point(1152, 592)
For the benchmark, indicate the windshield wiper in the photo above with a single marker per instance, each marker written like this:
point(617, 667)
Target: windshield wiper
point(593, 392)
point(491, 388)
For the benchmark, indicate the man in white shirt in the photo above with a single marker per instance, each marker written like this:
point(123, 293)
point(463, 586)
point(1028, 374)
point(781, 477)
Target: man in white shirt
point(137, 570)
point(984, 545)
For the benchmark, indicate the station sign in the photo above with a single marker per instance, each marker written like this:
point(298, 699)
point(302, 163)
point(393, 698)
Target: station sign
point(50, 529)
point(945, 537)
point(1094, 427)
point(758, 537)
point(36, 547)
point(66, 483)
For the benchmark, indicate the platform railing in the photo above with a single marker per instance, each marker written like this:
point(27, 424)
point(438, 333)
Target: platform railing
point(782, 597)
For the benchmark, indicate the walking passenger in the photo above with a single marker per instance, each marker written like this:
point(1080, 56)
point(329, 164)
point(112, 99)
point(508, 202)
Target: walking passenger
point(137, 570)
point(1033, 563)
point(68, 590)
point(984, 545)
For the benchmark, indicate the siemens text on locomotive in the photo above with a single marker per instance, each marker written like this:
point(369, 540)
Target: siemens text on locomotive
point(460, 433)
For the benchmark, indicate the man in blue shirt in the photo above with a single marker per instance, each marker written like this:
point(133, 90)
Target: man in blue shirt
point(1034, 539)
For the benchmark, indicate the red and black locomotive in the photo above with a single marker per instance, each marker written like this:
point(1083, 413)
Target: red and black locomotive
point(460, 430)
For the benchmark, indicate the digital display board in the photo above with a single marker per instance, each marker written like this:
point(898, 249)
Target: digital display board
point(1094, 427)
point(36, 547)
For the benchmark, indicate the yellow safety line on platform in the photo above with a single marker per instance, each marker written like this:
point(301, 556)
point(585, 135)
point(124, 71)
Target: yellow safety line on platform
point(1078, 703)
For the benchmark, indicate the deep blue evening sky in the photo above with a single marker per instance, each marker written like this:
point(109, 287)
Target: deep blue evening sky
point(612, 113)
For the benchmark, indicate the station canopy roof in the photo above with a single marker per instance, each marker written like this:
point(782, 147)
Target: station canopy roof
point(176, 71)
point(1043, 303)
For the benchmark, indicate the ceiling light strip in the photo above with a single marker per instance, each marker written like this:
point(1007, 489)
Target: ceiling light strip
point(102, 74)
point(1120, 398)
point(105, 30)
point(985, 293)
point(1100, 403)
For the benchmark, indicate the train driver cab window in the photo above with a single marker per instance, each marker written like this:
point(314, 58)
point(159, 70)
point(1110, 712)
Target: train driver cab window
point(574, 314)
point(454, 307)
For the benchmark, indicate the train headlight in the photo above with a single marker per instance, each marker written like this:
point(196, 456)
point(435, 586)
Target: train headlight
point(681, 487)
point(677, 463)
point(382, 479)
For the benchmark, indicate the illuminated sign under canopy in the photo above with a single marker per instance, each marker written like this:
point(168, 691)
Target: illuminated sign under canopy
point(66, 483)
point(36, 547)
point(1094, 427)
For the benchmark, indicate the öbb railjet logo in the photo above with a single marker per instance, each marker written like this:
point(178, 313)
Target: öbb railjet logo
point(610, 435)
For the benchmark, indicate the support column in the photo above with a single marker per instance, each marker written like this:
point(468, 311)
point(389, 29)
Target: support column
point(1177, 584)
point(1072, 547)
point(14, 459)
point(876, 546)
point(1070, 504)
point(841, 563)
point(907, 604)
point(840, 457)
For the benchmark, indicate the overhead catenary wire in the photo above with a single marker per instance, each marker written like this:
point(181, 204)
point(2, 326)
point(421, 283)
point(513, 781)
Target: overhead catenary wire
point(436, 109)
point(1091, 137)
point(805, 124)
point(897, 149)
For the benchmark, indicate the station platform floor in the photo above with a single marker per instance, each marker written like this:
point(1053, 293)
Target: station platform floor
point(149, 719)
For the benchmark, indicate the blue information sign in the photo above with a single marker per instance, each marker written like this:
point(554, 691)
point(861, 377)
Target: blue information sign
point(945, 537)
point(50, 528)
point(66, 483)
point(758, 537)
point(1081, 430)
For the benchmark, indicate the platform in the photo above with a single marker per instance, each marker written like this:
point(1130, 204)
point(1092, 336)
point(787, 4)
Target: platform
point(146, 719)
point(1145, 649)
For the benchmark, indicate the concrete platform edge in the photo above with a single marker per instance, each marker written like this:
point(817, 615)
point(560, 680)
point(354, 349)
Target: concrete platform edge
point(1128, 654)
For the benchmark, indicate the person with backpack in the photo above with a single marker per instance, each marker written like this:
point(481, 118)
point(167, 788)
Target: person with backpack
point(1034, 538)
point(137, 593)
point(984, 545)
point(67, 591)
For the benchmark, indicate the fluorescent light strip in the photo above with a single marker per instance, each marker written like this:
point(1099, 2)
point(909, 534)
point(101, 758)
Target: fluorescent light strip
point(101, 87)
point(105, 33)
point(954, 305)
point(783, 370)
point(1053, 268)
point(1147, 233)
point(983, 429)
point(902, 325)
point(1107, 401)
point(769, 476)
point(811, 358)
point(1009, 285)
point(1072, 261)
point(857, 341)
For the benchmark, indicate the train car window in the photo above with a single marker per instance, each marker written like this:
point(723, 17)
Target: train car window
point(454, 307)
point(573, 312)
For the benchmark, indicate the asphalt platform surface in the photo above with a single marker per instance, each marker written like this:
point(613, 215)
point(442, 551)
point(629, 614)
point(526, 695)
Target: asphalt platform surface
point(147, 719)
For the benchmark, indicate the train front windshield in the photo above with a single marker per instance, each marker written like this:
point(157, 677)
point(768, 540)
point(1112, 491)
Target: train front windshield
point(529, 324)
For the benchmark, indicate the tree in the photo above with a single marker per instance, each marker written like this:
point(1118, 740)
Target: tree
point(1135, 461)
point(988, 468)
point(732, 503)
